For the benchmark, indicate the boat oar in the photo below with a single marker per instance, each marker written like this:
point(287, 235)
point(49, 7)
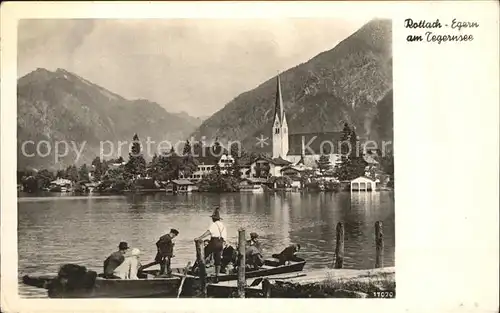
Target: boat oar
point(183, 279)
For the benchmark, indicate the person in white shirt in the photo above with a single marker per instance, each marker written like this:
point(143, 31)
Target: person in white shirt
point(128, 269)
point(218, 234)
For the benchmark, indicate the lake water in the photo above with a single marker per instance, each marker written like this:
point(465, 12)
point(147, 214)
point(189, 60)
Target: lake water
point(53, 230)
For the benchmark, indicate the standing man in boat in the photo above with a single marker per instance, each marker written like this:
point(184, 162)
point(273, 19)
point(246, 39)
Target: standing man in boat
point(114, 260)
point(165, 247)
point(218, 234)
point(165, 253)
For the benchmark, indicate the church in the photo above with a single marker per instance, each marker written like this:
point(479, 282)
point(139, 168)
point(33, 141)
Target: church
point(296, 151)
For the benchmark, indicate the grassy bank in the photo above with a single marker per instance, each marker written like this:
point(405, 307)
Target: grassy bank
point(381, 285)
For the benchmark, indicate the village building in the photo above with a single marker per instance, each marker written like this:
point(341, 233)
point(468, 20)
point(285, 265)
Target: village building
point(90, 187)
point(296, 170)
point(296, 183)
point(264, 167)
point(181, 186)
point(60, 184)
point(253, 185)
point(209, 157)
point(363, 183)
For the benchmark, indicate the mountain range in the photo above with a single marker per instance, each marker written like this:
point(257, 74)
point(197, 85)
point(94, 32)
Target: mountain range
point(351, 83)
point(62, 106)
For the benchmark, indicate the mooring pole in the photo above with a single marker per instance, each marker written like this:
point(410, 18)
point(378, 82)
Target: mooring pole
point(200, 259)
point(242, 264)
point(339, 247)
point(266, 288)
point(379, 244)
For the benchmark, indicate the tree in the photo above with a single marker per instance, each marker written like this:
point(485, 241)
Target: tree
point(153, 170)
point(116, 173)
point(198, 148)
point(281, 181)
point(387, 166)
point(61, 174)
point(357, 167)
point(83, 173)
point(188, 164)
point(216, 182)
point(136, 165)
point(43, 178)
point(352, 161)
point(30, 184)
point(98, 168)
point(173, 165)
point(72, 173)
point(236, 151)
point(235, 169)
point(187, 148)
point(324, 163)
point(162, 167)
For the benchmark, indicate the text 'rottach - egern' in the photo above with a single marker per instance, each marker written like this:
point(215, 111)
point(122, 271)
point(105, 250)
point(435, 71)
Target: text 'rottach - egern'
point(431, 36)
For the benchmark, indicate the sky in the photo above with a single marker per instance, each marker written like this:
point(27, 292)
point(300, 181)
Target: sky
point(195, 66)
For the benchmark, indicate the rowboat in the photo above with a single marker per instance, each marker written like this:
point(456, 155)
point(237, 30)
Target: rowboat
point(271, 267)
point(149, 284)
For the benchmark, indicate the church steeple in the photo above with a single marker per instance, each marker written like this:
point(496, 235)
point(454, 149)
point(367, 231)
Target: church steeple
point(280, 126)
point(278, 108)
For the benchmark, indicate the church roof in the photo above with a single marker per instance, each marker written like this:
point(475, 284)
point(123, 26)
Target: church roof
point(280, 161)
point(275, 161)
point(312, 143)
point(278, 108)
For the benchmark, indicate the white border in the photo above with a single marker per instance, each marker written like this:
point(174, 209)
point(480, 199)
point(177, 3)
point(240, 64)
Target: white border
point(446, 145)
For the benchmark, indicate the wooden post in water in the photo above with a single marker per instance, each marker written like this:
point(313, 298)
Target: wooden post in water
point(242, 264)
point(266, 288)
point(200, 259)
point(339, 247)
point(379, 244)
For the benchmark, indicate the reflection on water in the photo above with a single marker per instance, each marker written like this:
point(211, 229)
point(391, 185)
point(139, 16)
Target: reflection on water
point(85, 230)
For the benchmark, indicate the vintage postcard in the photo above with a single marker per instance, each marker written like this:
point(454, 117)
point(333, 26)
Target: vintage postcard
point(164, 152)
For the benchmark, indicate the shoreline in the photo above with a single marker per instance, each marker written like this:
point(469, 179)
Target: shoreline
point(72, 195)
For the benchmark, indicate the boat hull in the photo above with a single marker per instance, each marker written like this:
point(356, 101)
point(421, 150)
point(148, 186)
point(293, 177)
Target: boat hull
point(122, 288)
point(270, 268)
point(156, 287)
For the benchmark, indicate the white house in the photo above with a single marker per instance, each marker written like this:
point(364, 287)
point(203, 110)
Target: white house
point(225, 162)
point(363, 183)
point(202, 170)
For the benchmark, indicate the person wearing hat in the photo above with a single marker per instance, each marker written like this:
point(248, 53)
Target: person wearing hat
point(130, 266)
point(253, 257)
point(218, 234)
point(114, 260)
point(165, 253)
point(254, 241)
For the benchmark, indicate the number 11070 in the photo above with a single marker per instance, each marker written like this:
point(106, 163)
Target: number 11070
point(383, 294)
